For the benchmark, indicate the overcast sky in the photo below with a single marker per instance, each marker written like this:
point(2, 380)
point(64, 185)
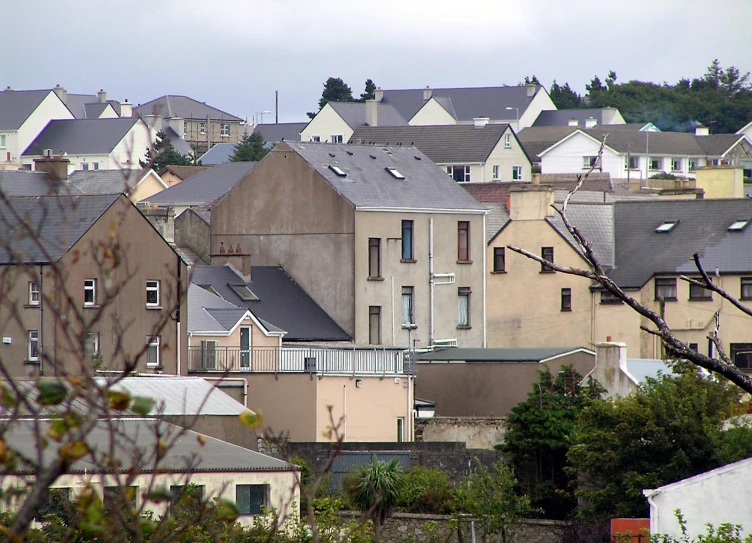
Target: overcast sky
point(233, 54)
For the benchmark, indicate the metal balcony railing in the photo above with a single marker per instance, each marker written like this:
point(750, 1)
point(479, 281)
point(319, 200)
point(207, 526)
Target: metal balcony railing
point(319, 360)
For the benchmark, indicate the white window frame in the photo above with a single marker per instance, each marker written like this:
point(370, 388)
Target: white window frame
point(33, 293)
point(463, 307)
point(202, 128)
point(85, 166)
point(153, 285)
point(692, 164)
point(591, 161)
point(627, 162)
point(90, 285)
point(408, 303)
point(33, 341)
point(153, 342)
point(516, 173)
point(224, 130)
point(316, 138)
point(495, 172)
point(3, 141)
point(336, 138)
point(674, 162)
point(465, 172)
point(507, 141)
point(659, 162)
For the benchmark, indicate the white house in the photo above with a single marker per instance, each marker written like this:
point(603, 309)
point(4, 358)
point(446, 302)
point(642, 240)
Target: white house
point(23, 115)
point(336, 121)
point(93, 144)
point(715, 497)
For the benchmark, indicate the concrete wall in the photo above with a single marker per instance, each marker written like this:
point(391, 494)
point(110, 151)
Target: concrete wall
point(486, 389)
point(193, 232)
point(474, 432)
point(325, 124)
point(721, 181)
point(287, 402)
point(225, 427)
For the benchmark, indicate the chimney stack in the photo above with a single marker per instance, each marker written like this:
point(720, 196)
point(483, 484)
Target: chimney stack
point(372, 113)
point(480, 122)
point(61, 93)
point(573, 122)
point(529, 202)
point(8, 88)
point(126, 109)
point(177, 124)
point(56, 167)
point(590, 122)
point(379, 94)
point(702, 131)
point(532, 88)
point(427, 93)
point(610, 368)
point(234, 258)
point(102, 96)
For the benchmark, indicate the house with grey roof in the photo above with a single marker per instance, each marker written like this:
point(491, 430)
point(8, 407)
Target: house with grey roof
point(220, 153)
point(336, 121)
point(25, 183)
point(273, 133)
point(23, 115)
point(92, 144)
point(354, 226)
point(92, 106)
point(199, 124)
point(586, 118)
point(136, 184)
point(478, 153)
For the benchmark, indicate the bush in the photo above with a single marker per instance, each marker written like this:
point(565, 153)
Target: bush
point(426, 490)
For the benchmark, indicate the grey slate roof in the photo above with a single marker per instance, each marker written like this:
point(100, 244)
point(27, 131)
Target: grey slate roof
point(369, 184)
point(596, 222)
point(202, 306)
point(81, 136)
point(171, 105)
point(469, 354)
point(60, 222)
point(281, 301)
point(16, 106)
point(88, 106)
point(665, 143)
point(561, 117)
point(276, 132)
point(183, 172)
point(106, 181)
point(643, 368)
point(205, 187)
point(464, 103)
point(537, 139)
point(177, 140)
point(703, 228)
point(498, 216)
point(213, 455)
point(218, 154)
point(441, 143)
point(25, 183)
point(354, 114)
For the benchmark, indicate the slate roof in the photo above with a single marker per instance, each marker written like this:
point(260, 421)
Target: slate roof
point(536, 139)
point(218, 154)
point(201, 318)
point(702, 228)
point(25, 183)
point(171, 105)
point(88, 106)
point(469, 354)
point(106, 181)
point(16, 106)
point(281, 301)
point(441, 143)
point(596, 222)
point(561, 117)
point(60, 222)
point(205, 187)
point(497, 217)
point(354, 114)
point(276, 132)
point(464, 103)
point(81, 136)
point(643, 368)
point(183, 172)
point(369, 184)
point(177, 140)
point(211, 454)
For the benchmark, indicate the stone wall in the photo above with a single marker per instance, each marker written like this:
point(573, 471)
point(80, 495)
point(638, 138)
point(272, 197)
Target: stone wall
point(474, 432)
point(413, 528)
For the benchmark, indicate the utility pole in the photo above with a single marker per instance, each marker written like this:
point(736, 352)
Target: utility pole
point(276, 107)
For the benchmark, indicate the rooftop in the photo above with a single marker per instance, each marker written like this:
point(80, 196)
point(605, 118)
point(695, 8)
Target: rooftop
point(220, 153)
point(81, 136)
point(106, 181)
point(276, 132)
point(462, 354)
point(172, 105)
point(17, 105)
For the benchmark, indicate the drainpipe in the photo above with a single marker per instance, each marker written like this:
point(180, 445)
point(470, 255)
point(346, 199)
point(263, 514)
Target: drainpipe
point(41, 319)
point(393, 317)
point(430, 283)
point(409, 419)
point(180, 300)
point(344, 413)
point(483, 253)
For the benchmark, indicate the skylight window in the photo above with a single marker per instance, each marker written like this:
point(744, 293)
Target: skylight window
point(244, 293)
point(739, 225)
point(395, 173)
point(337, 170)
point(373, 156)
point(666, 227)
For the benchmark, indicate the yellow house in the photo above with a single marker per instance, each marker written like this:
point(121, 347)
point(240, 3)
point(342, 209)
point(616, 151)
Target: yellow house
point(136, 184)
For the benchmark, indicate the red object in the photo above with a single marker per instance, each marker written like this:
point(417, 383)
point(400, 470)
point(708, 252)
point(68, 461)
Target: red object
point(637, 528)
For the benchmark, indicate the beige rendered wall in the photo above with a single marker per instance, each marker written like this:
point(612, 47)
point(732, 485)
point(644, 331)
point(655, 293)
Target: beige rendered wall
point(721, 182)
point(149, 186)
point(388, 227)
point(326, 123)
point(432, 113)
point(524, 305)
point(506, 158)
point(258, 338)
point(370, 410)
point(287, 403)
point(283, 212)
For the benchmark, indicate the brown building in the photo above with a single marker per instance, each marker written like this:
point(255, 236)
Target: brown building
point(88, 280)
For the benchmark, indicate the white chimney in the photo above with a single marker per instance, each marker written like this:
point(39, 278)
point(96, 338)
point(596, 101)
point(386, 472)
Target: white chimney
point(702, 131)
point(177, 124)
point(480, 122)
point(102, 96)
point(372, 113)
point(154, 122)
point(573, 122)
point(126, 109)
point(379, 94)
point(532, 88)
point(61, 93)
point(590, 122)
point(611, 368)
point(427, 93)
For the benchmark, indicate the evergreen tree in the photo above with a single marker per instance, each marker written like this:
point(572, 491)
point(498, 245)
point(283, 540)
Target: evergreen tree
point(370, 91)
point(335, 90)
point(249, 149)
point(564, 97)
point(162, 154)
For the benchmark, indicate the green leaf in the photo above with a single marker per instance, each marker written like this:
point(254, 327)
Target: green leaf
point(159, 494)
point(51, 392)
point(57, 429)
point(227, 510)
point(250, 419)
point(142, 405)
point(119, 401)
point(74, 450)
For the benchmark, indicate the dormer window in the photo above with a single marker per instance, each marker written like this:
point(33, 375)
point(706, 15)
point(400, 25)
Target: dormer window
point(666, 227)
point(395, 173)
point(337, 170)
point(739, 225)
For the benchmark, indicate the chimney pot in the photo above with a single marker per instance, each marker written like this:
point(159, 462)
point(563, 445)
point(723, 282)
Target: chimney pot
point(221, 247)
point(573, 122)
point(237, 249)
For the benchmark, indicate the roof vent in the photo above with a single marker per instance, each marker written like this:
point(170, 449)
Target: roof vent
point(373, 156)
point(395, 173)
point(350, 153)
point(739, 225)
point(331, 155)
point(666, 227)
point(337, 170)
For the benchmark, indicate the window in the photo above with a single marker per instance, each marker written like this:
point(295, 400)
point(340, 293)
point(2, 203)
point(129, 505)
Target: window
point(741, 355)
point(400, 429)
point(697, 292)
point(665, 288)
point(244, 293)
point(3, 140)
point(408, 317)
point(495, 174)
point(33, 293)
point(507, 141)
point(33, 350)
point(90, 292)
point(374, 325)
point(224, 130)
point(547, 253)
point(251, 499)
point(153, 357)
point(665, 227)
point(339, 172)
point(316, 138)
point(152, 294)
point(463, 306)
point(608, 298)
point(92, 343)
point(336, 138)
point(632, 162)
point(676, 164)
point(516, 173)
point(656, 163)
point(95, 165)
point(394, 172)
point(694, 347)
point(738, 226)
point(84, 166)
point(566, 299)
point(461, 174)
point(746, 283)
point(407, 240)
point(499, 261)
point(692, 163)
point(590, 162)
point(116, 498)
point(208, 354)
point(463, 241)
point(374, 258)
point(202, 128)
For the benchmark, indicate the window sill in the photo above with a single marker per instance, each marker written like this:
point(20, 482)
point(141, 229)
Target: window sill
point(464, 262)
point(464, 327)
point(30, 362)
point(375, 279)
point(36, 306)
point(154, 367)
point(408, 261)
point(501, 272)
point(566, 310)
point(91, 306)
point(666, 300)
point(158, 307)
point(709, 299)
point(746, 298)
point(547, 271)
point(408, 327)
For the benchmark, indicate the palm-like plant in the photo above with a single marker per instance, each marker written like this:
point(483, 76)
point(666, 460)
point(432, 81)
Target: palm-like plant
point(377, 490)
